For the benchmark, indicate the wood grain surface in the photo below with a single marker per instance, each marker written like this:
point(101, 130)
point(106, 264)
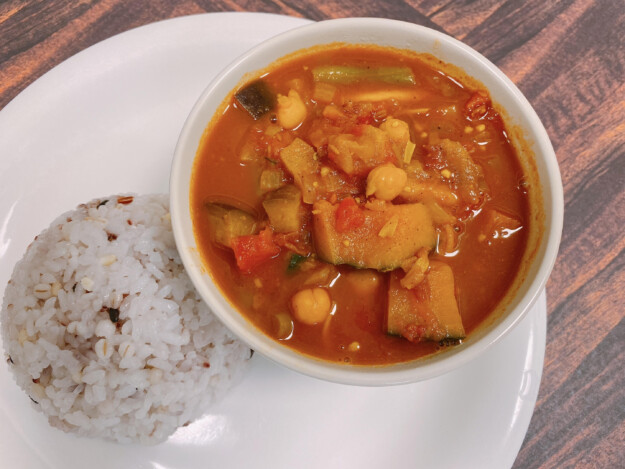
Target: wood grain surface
point(568, 58)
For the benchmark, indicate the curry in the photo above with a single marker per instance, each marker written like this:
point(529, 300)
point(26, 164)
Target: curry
point(360, 205)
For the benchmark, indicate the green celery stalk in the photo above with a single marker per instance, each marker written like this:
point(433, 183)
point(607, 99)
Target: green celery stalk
point(345, 75)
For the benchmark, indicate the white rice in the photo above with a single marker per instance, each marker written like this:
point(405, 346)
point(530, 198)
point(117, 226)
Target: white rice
point(159, 366)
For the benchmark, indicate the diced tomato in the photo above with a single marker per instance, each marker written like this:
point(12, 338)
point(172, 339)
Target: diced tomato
point(366, 119)
point(349, 216)
point(251, 251)
point(296, 241)
point(477, 105)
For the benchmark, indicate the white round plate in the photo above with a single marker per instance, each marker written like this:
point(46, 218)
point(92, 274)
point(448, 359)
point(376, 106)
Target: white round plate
point(106, 121)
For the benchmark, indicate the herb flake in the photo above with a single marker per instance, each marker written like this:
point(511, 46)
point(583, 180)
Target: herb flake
point(294, 262)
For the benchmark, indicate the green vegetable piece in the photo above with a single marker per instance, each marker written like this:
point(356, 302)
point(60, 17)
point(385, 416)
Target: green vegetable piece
point(228, 223)
point(283, 207)
point(346, 75)
point(256, 98)
point(294, 262)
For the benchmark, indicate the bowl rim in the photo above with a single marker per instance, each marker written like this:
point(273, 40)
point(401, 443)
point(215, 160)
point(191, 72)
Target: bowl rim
point(420, 369)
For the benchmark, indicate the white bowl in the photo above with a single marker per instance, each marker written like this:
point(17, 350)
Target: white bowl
point(518, 114)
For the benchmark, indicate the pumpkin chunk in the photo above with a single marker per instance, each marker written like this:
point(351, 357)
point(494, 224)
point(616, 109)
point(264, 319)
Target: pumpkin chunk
point(427, 312)
point(362, 246)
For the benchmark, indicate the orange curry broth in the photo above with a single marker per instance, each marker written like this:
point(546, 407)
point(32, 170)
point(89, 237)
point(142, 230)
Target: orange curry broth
point(483, 268)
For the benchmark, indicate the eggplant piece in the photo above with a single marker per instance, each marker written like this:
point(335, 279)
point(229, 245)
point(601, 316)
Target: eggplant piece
point(228, 223)
point(299, 159)
point(284, 208)
point(256, 98)
point(270, 180)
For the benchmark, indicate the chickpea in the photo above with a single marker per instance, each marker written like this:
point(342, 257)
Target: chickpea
point(386, 182)
point(311, 305)
point(291, 110)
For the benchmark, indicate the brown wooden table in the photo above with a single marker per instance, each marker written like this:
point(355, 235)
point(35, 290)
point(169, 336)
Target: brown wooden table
point(568, 58)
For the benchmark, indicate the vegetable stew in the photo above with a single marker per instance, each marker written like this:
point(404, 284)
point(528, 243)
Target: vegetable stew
point(360, 205)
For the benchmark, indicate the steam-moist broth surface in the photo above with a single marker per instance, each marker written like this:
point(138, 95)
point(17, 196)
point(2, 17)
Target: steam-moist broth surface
point(483, 246)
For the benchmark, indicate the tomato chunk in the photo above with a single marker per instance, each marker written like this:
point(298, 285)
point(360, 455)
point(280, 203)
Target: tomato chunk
point(251, 251)
point(477, 105)
point(349, 216)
